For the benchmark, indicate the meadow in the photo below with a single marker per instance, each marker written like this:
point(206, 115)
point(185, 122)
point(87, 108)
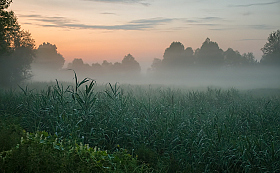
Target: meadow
point(155, 128)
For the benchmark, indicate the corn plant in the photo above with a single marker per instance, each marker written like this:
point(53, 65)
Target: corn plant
point(171, 129)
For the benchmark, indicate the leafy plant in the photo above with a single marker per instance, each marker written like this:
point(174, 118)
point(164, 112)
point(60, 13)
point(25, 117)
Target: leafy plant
point(41, 152)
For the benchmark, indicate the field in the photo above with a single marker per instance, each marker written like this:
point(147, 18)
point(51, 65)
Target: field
point(166, 129)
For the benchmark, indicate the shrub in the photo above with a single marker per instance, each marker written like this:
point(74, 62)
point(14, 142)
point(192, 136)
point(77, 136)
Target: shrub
point(10, 134)
point(41, 152)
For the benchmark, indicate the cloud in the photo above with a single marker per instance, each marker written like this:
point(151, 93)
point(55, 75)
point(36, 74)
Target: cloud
point(256, 4)
point(62, 22)
point(205, 24)
point(251, 39)
point(140, 24)
point(122, 1)
point(109, 13)
point(220, 29)
point(211, 18)
point(260, 27)
point(203, 20)
point(153, 21)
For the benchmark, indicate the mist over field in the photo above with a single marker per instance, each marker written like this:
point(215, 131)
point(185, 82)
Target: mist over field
point(83, 99)
point(240, 78)
point(208, 65)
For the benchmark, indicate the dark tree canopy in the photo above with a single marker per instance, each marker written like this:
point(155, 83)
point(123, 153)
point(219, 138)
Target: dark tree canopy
point(107, 66)
point(235, 59)
point(47, 57)
point(232, 58)
point(78, 65)
point(209, 54)
point(129, 64)
point(249, 59)
point(5, 4)
point(271, 50)
point(16, 48)
point(156, 65)
point(174, 53)
point(176, 56)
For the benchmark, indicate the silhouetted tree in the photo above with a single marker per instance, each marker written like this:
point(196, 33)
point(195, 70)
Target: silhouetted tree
point(117, 67)
point(189, 53)
point(249, 59)
point(16, 48)
point(96, 67)
point(129, 64)
point(209, 54)
point(106, 66)
point(79, 66)
point(232, 58)
point(177, 57)
point(48, 58)
point(235, 59)
point(271, 50)
point(156, 65)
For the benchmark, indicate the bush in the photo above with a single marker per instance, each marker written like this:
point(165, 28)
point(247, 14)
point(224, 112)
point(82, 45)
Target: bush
point(10, 134)
point(42, 152)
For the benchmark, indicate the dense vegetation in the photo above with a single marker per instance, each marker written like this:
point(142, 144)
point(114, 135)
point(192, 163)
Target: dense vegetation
point(165, 129)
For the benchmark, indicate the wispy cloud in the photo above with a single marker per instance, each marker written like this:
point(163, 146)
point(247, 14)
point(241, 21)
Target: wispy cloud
point(62, 22)
point(212, 22)
point(153, 21)
point(122, 1)
point(211, 18)
point(220, 29)
point(251, 39)
point(109, 13)
point(204, 20)
point(260, 27)
point(256, 4)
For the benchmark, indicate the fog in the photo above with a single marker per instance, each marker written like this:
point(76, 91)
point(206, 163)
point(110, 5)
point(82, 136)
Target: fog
point(206, 66)
point(239, 78)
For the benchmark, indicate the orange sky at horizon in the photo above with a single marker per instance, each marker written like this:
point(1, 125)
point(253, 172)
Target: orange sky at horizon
point(108, 30)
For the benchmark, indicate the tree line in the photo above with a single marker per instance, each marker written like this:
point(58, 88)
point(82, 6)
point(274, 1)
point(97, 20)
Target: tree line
point(48, 59)
point(19, 57)
point(210, 55)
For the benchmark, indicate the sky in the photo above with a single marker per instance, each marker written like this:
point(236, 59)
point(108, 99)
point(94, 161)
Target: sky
point(97, 30)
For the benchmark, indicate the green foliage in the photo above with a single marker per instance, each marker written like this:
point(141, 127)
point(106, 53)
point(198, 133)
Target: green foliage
point(16, 48)
point(209, 54)
point(10, 133)
point(5, 4)
point(176, 56)
point(41, 152)
point(271, 50)
point(169, 129)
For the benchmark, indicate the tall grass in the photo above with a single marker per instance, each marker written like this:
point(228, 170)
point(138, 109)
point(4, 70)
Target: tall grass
point(169, 129)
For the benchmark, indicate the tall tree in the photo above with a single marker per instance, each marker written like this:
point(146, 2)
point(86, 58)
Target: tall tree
point(48, 58)
point(78, 64)
point(176, 56)
point(209, 54)
point(16, 48)
point(271, 50)
point(156, 65)
point(129, 64)
point(6, 21)
point(249, 59)
point(235, 59)
point(232, 58)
